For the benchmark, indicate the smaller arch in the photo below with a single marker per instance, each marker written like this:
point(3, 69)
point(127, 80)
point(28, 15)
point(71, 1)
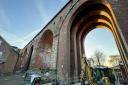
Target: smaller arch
point(45, 50)
point(27, 64)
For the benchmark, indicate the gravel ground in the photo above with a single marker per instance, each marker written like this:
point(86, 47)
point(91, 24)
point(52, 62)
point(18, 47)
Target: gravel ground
point(16, 79)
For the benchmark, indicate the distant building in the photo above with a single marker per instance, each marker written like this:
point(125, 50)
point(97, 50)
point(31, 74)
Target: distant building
point(8, 57)
point(114, 60)
point(118, 66)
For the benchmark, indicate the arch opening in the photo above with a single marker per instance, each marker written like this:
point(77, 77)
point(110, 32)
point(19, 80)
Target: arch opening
point(101, 52)
point(44, 52)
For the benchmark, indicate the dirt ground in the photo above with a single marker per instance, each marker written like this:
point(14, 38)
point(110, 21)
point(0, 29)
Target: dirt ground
point(16, 79)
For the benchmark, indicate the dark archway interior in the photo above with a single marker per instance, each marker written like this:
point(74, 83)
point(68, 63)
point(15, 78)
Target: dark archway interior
point(24, 58)
point(29, 59)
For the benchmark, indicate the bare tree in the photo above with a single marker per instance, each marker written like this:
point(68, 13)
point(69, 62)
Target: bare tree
point(98, 58)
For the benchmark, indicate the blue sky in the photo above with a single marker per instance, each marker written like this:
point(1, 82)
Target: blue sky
point(102, 40)
point(21, 20)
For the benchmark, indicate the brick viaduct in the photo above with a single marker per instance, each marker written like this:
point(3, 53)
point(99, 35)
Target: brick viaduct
point(61, 40)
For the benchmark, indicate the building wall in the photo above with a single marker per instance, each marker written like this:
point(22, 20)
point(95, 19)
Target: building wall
point(9, 57)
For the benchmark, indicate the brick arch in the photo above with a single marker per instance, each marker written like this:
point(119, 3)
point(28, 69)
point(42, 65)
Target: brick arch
point(44, 51)
point(93, 15)
point(88, 16)
point(47, 38)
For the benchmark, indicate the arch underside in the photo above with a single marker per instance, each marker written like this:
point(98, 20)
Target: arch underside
point(44, 51)
point(94, 15)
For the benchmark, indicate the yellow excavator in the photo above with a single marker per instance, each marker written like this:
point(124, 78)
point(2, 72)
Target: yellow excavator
point(91, 73)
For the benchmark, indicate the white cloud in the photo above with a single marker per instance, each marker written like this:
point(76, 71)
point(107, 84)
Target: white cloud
point(39, 4)
point(32, 34)
point(15, 40)
point(11, 38)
